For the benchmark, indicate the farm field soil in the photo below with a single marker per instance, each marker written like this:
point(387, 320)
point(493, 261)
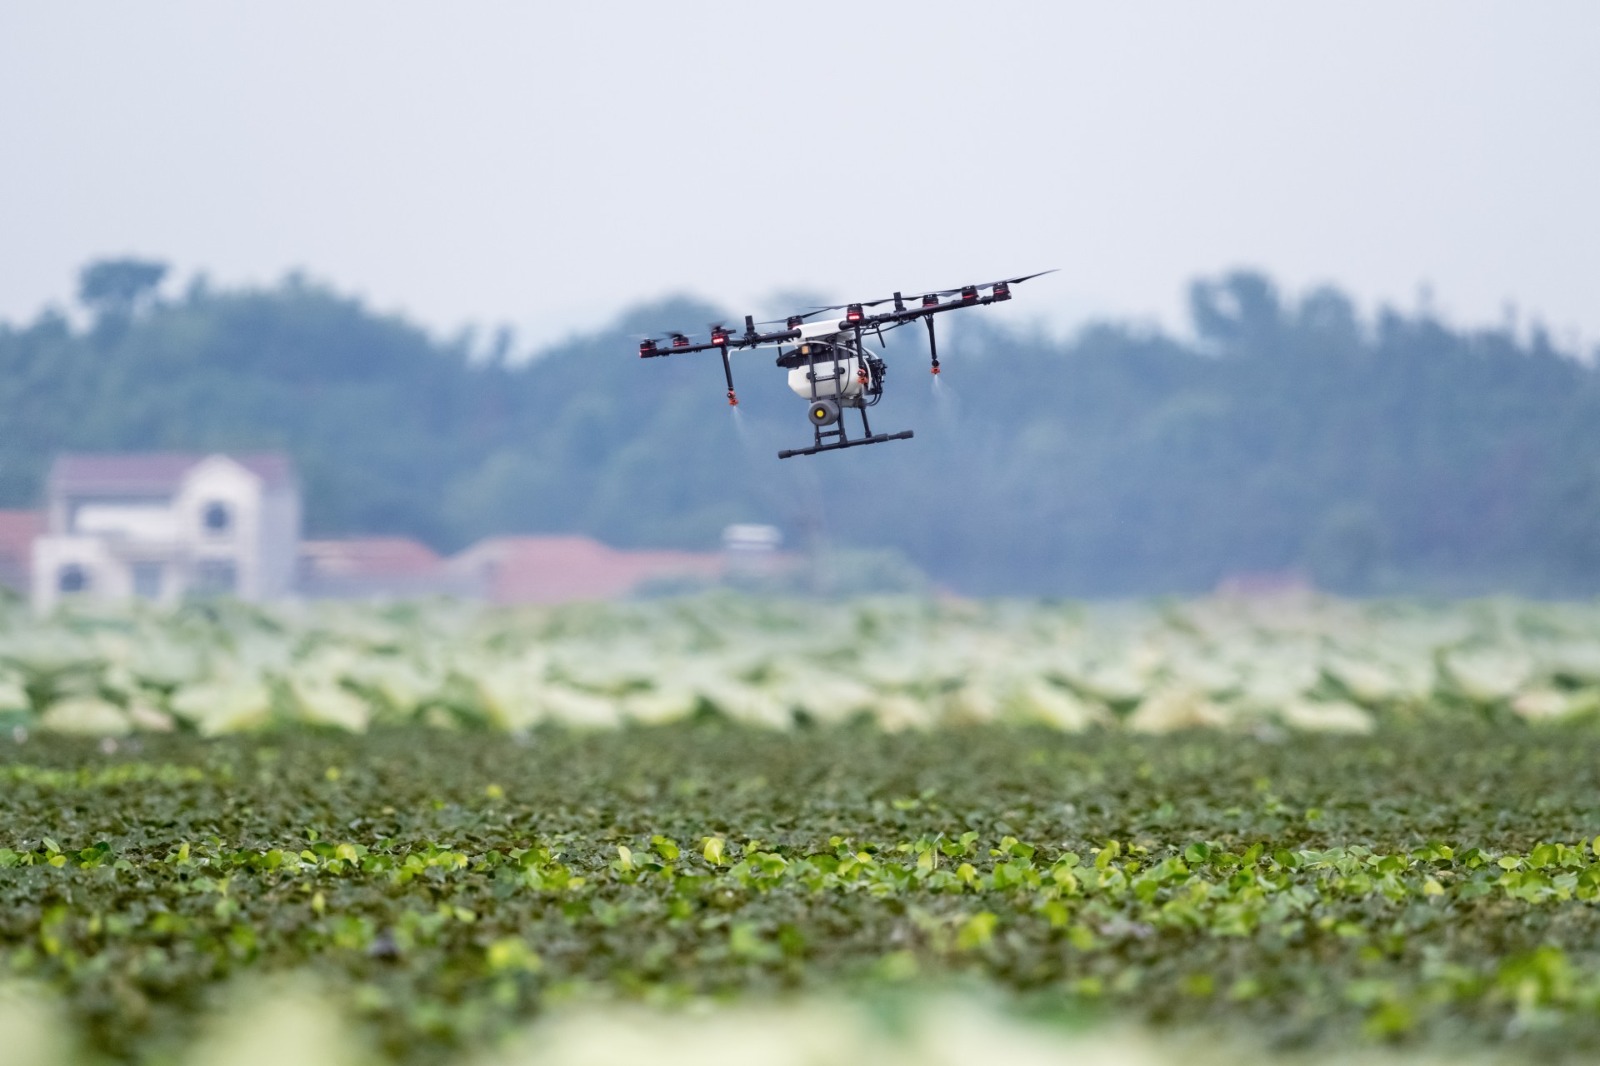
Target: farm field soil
point(1426, 887)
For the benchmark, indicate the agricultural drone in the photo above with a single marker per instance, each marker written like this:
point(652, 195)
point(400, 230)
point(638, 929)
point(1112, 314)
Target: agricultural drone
point(829, 365)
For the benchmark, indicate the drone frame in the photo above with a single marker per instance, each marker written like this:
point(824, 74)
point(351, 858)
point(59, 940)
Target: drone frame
point(857, 323)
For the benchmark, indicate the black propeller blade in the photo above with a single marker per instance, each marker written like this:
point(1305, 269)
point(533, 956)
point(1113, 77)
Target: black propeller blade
point(925, 296)
point(802, 317)
point(991, 284)
point(1028, 277)
point(854, 303)
point(1001, 290)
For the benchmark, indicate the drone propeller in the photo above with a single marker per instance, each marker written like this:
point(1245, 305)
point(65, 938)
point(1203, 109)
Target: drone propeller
point(648, 345)
point(852, 303)
point(899, 299)
point(853, 312)
point(1027, 277)
point(791, 319)
point(1001, 290)
point(1006, 282)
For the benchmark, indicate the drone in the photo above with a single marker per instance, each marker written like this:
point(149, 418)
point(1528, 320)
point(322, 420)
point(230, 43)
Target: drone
point(828, 362)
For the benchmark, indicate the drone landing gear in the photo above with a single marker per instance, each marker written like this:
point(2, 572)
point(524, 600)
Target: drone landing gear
point(819, 418)
point(879, 438)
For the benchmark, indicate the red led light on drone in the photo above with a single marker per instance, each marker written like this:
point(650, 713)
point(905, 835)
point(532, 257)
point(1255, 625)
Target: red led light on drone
point(853, 313)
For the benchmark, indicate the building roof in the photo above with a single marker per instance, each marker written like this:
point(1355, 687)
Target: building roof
point(153, 473)
point(566, 568)
point(369, 557)
point(17, 530)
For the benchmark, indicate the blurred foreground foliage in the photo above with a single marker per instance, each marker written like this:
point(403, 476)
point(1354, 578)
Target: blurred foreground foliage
point(1294, 663)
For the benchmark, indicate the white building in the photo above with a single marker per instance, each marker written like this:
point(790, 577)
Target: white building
point(165, 526)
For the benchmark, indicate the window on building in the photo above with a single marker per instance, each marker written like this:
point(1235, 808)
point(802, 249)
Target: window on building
point(217, 518)
point(72, 578)
point(147, 580)
point(215, 577)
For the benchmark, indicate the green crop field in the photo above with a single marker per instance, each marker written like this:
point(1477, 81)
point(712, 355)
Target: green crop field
point(1315, 829)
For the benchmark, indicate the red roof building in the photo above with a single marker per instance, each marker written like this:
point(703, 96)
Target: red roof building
point(17, 531)
point(153, 473)
point(370, 557)
point(375, 567)
point(566, 569)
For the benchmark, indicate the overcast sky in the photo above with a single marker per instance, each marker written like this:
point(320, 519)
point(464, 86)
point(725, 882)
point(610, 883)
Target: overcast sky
point(549, 165)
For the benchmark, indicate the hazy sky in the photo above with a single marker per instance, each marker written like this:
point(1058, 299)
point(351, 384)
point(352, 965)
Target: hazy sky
point(550, 164)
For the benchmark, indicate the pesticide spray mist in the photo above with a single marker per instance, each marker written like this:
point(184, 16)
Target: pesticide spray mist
point(944, 401)
point(739, 427)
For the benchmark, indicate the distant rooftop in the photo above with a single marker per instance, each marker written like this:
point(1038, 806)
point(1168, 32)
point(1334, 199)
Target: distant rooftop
point(369, 557)
point(563, 569)
point(154, 473)
point(376, 568)
point(17, 530)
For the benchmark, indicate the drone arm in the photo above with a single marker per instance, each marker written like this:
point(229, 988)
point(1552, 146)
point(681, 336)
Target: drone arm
point(733, 342)
point(727, 372)
point(898, 318)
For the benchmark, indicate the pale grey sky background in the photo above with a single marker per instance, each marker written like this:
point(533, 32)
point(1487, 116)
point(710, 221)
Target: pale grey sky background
point(549, 165)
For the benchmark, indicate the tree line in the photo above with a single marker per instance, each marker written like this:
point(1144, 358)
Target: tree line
point(1289, 435)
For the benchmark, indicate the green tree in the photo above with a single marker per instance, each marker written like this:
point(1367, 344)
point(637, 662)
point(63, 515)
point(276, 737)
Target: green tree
point(118, 286)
